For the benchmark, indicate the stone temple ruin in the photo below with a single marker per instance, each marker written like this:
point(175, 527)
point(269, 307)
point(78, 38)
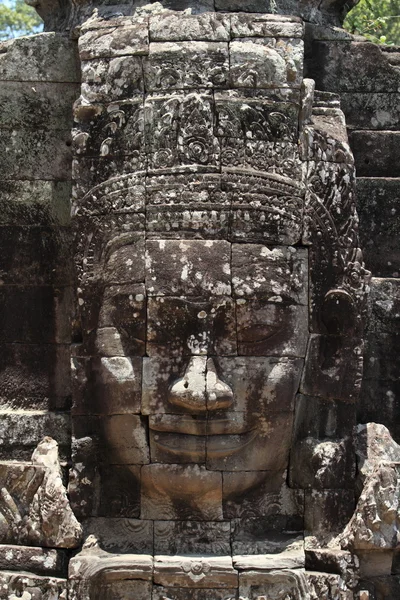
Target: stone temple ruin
point(199, 395)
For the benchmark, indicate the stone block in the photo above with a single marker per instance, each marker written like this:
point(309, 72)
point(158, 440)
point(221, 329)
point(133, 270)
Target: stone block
point(245, 25)
point(13, 584)
point(266, 63)
point(378, 205)
point(35, 255)
point(119, 535)
point(265, 209)
point(39, 106)
point(93, 174)
point(183, 65)
point(164, 487)
point(113, 129)
point(260, 384)
point(322, 453)
point(179, 129)
point(381, 357)
point(376, 153)
point(263, 448)
point(122, 438)
point(127, 39)
point(195, 572)
point(327, 586)
point(263, 495)
point(110, 251)
point(106, 385)
point(275, 551)
point(185, 327)
point(174, 27)
point(35, 314)
point(192, 537)
point(32, 203)
point(279, 274)
point(345, 66)
point(119, 491)
point(271, 329)
point(193, 268)
point(35, 376)
point(385, 305)
point(267, 118)
point(160, 592)
point(170, 448)
point(46, 57)
point(255, 584)
point(43, 561)
point(38, 154)
point(371, 110)
point(333, 368)
point(380, 403)
point(22, 430)
point(327, 512)
point(111, 79)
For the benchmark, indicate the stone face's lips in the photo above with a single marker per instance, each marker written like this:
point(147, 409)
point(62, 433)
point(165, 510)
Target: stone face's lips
point(202, 427)
point(217, 445)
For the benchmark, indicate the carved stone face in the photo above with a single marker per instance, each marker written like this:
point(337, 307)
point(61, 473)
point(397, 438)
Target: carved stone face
point(193, 259)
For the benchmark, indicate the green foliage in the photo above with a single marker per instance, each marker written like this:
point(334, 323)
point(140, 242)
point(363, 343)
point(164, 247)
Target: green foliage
point(377, 20)
point(17, 18)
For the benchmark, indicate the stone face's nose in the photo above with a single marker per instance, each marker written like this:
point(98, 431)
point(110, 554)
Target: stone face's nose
point(200, 388)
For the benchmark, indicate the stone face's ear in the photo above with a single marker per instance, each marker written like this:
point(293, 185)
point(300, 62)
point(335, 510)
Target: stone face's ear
point(339, 313)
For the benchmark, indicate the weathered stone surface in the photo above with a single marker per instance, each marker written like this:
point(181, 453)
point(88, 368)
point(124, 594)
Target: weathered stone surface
point(112, 42)
point(376, 153)
point(128, 536)
point(164, 485)
point(35, 376)
point(253, 495)
point(378, 203)
point(38, 105)
point(192, 537)
point(183, 65)
point(35, 507)
point(256, 548)
point(333, 368)
point(279, 274)
point(38, 154)
point(111, 130)
point(377, 110)
point(94, 572)
point(322, 447)
point(265, 26)
point(43, 561)
point(374, 446)
point(45, 310)
point(193, 268)
point(257, 583)
point(184, 327)
point(340, 66)
point(270, 328)
point(20, 436)
point(326, 514)
point(32, 203)
point(160, 592)
point(196, 572)
point(18, 585)
point(180, 27)
point(106, 386)
point(108, 79)
point(384, 303)
point(267, 64)
point(327, 586)
point(43, 256)
point(51, 57)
